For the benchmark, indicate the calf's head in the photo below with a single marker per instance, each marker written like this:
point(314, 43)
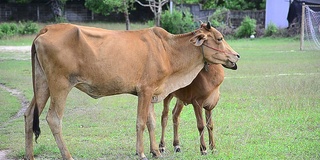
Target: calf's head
point(214, 48)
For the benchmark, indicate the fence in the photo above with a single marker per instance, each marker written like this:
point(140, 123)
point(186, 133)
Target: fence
point(77, 12)
point(236, 17)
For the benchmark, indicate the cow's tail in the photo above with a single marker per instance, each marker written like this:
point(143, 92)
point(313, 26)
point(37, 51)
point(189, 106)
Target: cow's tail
point(35, 126)
point(34, 61)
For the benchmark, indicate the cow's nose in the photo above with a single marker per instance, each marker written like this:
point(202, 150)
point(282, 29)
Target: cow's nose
point(238, 56)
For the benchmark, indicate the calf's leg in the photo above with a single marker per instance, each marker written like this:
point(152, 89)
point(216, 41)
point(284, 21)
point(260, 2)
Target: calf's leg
point(200, 124)
point(176, 121)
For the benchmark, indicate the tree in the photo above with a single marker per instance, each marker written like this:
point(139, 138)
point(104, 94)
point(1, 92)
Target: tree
point(57, 7)
point(156, 8)
point(106, 6)
point(235, 4)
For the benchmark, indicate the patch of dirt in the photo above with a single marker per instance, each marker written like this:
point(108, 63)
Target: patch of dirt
point(20, 49)
point(3, 154)
point(23, 100)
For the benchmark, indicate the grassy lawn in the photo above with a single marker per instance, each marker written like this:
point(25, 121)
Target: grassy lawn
point(269, 109)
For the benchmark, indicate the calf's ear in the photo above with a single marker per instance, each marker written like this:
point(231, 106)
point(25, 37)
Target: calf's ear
point(198, 39)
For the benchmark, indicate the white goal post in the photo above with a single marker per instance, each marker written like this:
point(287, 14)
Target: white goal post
point(310, 27)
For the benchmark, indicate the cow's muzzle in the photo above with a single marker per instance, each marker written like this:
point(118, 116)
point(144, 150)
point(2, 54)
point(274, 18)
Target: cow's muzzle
point(232, 66)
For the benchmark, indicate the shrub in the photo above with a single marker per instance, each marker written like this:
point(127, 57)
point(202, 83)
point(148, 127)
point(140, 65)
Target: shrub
point(177, 22)
point(9, 29)
point(28, 27)
point(220, 18)
point(247, 27)
point(271, 30)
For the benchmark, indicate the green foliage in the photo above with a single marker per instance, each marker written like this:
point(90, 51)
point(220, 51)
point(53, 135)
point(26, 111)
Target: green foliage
point(106, 6)
point(271, 30)
point(247, 27)
point(11, 29)
point(60, 19)
point(28, 27)
point(220, 17)
point(236, 4)
point(8, 29)
point(177, 22)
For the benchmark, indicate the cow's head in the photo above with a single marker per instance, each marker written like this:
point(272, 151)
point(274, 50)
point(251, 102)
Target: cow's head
point(214, 48)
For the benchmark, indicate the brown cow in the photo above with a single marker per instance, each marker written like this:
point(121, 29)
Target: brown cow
point(149, 63)
point(203, 92)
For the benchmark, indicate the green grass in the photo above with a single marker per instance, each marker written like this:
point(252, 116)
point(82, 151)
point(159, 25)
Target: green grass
point(269, 109)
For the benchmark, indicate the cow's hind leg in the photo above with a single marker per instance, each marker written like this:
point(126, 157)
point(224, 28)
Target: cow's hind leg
point(31, 116)
point(164, 121)
point(176, 121)
point(58, 95)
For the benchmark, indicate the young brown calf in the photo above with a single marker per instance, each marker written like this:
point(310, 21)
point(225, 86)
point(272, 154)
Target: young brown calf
point(203, 92)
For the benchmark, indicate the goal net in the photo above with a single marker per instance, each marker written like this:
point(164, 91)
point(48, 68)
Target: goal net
point(310, 28)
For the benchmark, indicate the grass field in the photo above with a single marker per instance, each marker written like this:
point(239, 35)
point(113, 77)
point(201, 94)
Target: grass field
point(269, 109)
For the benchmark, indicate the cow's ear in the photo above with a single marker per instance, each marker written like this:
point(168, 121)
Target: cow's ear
point(198, 39)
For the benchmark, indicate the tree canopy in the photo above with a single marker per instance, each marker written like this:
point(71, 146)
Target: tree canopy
point(229, 4)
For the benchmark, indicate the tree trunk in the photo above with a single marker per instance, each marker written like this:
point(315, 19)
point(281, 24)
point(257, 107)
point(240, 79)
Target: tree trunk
point(126, 14)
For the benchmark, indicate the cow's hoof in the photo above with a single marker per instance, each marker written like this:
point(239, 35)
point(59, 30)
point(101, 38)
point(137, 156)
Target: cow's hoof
point(156, 154)
point(162, 149)
point(177, 149)
point(204, 152)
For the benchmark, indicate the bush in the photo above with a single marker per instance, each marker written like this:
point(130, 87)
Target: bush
point(271, 30)
point(9, 29)
point(247, 27)
point(28, 28)
point(220, 18)
point(177, 22)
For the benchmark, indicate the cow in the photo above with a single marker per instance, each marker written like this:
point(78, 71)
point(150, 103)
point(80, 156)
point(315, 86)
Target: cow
point(149, 63)
point(203, 92)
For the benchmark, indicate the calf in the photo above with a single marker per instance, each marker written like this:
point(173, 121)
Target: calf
point(203, 92)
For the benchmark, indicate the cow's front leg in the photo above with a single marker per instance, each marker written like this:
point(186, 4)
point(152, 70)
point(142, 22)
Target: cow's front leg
point(151, 124)
point(144, 101)
point(164, 121)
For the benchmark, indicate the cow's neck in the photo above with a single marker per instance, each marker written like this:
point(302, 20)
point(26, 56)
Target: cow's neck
point(186, 62)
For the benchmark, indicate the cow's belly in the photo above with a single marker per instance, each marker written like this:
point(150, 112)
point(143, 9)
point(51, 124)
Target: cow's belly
point(97, 91)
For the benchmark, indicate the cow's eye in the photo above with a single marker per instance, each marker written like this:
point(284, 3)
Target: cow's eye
point(220, 39)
